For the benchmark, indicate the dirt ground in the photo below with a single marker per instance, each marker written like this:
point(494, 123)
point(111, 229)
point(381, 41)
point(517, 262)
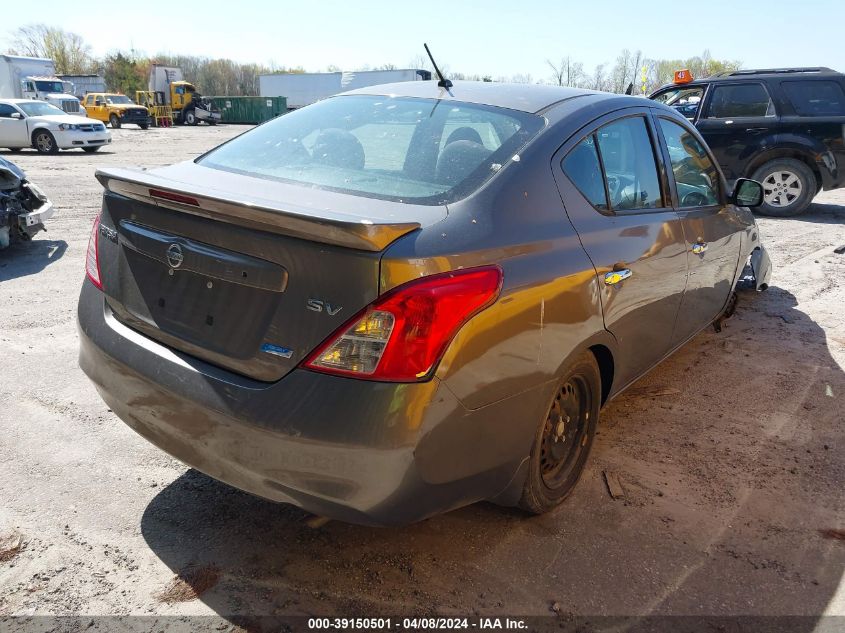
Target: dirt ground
point(731, 455)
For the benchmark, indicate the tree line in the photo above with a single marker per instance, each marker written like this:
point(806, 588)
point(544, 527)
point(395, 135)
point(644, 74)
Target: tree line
point(128, 71)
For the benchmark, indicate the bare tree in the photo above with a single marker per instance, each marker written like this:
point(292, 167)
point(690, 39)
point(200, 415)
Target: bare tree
point(68, 51)
point(420, 62)
point(598, 81)
point(619, 74)
point(567, 72)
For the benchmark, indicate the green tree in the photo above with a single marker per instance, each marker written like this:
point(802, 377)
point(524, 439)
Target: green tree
point(124, 73)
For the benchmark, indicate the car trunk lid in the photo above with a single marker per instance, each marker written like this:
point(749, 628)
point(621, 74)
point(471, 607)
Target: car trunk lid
point(244, 273)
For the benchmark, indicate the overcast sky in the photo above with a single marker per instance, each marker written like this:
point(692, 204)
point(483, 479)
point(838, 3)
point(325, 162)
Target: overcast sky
point(495, 37)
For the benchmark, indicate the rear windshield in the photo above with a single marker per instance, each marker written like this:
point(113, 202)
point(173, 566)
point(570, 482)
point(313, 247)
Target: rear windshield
point(421, 151)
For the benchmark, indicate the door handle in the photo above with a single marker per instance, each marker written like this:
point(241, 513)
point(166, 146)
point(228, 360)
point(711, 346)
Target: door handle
point(699, 248)
point(615, 276)
point(756, 130)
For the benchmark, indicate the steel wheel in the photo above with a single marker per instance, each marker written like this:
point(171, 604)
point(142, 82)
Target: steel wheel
point(564, 434)
point(782, 188)
point(563, 439)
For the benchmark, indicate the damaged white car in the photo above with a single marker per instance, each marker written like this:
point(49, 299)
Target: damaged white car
point(23, 207)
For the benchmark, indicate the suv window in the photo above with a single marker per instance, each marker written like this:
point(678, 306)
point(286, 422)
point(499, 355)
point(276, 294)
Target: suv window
point(6, 111)
point(684, 100)
point(740, 100)
point(696, 177)
point(815, 98)
point(630, 169)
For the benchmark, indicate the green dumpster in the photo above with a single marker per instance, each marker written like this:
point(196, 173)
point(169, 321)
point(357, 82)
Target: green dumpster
point(250, 109)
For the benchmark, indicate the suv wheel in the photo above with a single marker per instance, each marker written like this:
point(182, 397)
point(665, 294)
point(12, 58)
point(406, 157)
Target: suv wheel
point(114, 120)
point(564, 438)
point(788, 187)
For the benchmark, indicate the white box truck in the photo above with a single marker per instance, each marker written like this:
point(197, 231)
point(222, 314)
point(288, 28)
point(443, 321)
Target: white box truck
point(302, 89)
point(35, 78)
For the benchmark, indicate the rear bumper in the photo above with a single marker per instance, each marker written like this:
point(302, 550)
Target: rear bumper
point(358, 451)
point(32, 222)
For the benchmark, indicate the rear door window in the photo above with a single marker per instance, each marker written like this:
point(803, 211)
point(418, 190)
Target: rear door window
point(630, 169)
point(582, 167)
point(735, 101)
point(615, 167)
point(815, 98)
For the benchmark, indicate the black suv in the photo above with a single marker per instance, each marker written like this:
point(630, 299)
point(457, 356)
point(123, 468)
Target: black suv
point(784, 128)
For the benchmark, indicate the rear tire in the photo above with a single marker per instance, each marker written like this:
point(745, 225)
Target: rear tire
point(114, 121)
point(44, 142)
point(789, 187)
point(564, 438)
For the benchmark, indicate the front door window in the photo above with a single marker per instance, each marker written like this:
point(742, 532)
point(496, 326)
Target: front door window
point(696, 177)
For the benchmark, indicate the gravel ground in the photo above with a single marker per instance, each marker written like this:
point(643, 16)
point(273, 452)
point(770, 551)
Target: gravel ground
point(730, 454)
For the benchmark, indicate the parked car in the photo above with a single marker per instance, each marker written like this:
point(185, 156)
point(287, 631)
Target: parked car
point(116, 110)
point(781, 127)
point(401, 300)
point(23, 207)
point(31, 123)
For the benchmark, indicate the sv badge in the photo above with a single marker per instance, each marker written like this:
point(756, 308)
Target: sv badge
point(318, 305)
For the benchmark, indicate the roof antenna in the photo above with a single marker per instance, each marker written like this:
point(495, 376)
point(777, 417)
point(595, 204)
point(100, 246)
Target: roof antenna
point(443, 83)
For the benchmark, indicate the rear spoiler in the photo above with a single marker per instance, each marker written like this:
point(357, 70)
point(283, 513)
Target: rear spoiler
point(320, 225)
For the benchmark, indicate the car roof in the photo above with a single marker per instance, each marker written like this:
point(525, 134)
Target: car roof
point(526, 97)
point(761, 73)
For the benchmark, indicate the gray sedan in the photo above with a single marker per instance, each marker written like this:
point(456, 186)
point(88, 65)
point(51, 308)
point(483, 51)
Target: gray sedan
point(405, 299)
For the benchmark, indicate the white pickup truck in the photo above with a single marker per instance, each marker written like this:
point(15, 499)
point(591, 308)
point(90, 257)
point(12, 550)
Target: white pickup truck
point(35, 78)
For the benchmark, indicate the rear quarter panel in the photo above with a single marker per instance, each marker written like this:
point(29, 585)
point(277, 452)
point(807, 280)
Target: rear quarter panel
point(549, 306)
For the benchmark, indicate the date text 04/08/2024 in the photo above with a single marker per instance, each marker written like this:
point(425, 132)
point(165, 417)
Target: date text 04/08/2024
point(383, 624)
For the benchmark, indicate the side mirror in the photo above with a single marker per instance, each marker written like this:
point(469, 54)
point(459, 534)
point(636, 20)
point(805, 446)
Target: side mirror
point(16, 115)
point(747, 193)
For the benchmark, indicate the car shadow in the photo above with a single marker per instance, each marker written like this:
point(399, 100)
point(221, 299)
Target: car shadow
point(818, 213)
point(727, 454)
point(29, 258)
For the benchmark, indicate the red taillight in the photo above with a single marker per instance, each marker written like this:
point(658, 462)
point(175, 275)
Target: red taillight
point(92, 258)
point(403, 334)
